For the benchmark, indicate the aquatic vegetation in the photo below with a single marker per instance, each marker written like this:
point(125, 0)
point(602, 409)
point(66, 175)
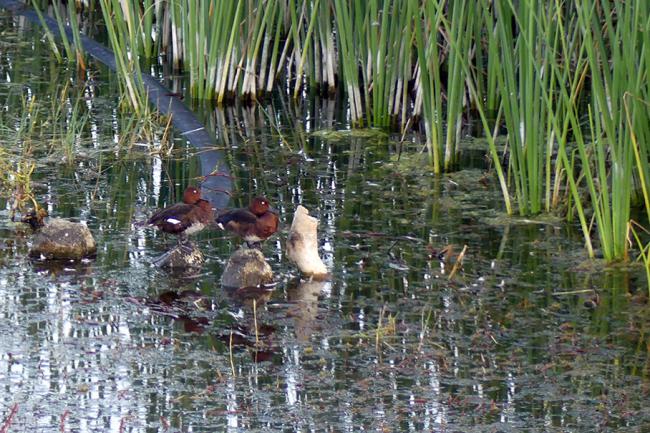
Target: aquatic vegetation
point(66, 17)
point(525, 76)
point(641, 156)
point(49, 35)
point(16, 185)
point(124, 35)
point(369, 135)
point(432, 64)
point(614, 122)
point(644, 250)
point(17, 163)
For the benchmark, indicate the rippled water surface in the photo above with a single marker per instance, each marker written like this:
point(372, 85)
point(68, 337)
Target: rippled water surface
point(525, 336)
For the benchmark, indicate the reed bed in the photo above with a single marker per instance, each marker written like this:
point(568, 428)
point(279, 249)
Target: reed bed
point(122, 27)
point(524, 77)
point(566, 82)
point(616, 47)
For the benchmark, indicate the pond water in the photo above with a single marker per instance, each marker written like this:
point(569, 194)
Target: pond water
point(527, 335)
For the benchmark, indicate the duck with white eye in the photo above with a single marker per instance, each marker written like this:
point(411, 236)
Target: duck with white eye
point(186, 218)
point(253, 224)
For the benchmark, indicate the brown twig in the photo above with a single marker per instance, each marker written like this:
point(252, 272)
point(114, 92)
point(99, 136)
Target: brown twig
point(10, 418)
point(64, 415)
point(459, 262)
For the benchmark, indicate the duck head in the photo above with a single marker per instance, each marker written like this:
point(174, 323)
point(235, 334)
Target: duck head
point(191, 195)
point(259, 206)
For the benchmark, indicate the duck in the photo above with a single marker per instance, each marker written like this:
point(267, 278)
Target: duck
point(254, 224)
point(186, 218)
point(35, 218)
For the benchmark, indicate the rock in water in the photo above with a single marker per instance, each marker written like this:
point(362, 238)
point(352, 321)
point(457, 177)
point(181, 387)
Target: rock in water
point(247, 267)
point(302, 245)
point(185, 256)
point(63, 239)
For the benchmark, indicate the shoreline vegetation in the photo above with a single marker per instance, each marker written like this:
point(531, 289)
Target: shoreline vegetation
point(566, 83)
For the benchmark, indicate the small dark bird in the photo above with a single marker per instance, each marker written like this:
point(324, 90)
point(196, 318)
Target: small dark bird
point(35, 218)
point(254, 224)
point(186, 218)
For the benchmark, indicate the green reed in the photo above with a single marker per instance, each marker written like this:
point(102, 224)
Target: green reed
point(445, 39)
point(616, 51)
point(76, 122)
point(73, 21)
point(379, 60)
point(305, 48)
point(639, 136)
point(460, 29)
point(57, 7)
point(644, 249)
point(570, 69)
point(123, 35)
point(344, 17)
point(429, 16)
point(64, 18)
point(526, 78)
point(48, 34)
point(490, 128)
point(325, 58)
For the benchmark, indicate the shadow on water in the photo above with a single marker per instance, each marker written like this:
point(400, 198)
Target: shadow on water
point(526, 336)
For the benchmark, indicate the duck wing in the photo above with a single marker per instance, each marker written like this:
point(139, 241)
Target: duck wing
point(239, 216)
point(173, 219)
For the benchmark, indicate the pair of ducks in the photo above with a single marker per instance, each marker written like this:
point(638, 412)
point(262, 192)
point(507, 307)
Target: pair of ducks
point(253, 224)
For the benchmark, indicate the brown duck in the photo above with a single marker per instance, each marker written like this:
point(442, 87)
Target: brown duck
point(253, 224)
point(186, 218)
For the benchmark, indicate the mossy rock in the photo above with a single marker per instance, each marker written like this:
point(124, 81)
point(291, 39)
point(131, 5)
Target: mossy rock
point(181, 257)
point(544, 219)
point(61, 239)
point(346, 134)
point(247, 267)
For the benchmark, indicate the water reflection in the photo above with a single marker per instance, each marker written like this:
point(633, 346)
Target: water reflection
point(303, 295)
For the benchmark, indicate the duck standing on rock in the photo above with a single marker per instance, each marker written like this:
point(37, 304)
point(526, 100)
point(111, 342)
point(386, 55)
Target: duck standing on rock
point(186, 218)
point(253, 224)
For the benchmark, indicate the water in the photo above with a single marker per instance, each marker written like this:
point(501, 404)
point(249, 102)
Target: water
point(527, 336)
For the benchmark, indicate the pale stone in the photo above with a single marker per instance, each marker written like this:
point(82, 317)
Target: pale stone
point(302, 244)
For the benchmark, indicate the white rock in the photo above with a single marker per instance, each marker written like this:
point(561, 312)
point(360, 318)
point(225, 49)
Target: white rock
point(302, 244)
